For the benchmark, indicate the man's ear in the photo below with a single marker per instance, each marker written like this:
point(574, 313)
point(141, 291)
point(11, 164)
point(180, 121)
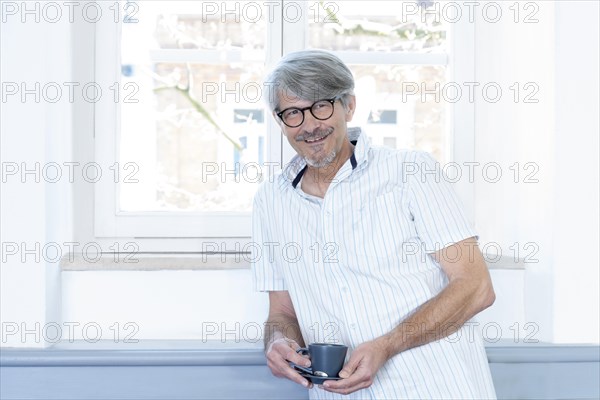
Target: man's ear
point(350, 107)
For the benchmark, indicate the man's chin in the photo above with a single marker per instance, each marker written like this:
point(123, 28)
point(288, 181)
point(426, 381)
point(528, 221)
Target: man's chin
point(322, 162)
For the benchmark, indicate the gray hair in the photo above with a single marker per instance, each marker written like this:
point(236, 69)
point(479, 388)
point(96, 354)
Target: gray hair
point(309, 75)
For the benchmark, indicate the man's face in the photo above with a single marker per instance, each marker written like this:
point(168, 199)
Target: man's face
point(319, 142)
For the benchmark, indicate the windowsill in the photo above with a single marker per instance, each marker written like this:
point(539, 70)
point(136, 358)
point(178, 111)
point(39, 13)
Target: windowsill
point(154, 262)
point(199, 262)
point(505, 263)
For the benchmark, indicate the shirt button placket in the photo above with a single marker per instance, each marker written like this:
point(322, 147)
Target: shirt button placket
point(326, 218)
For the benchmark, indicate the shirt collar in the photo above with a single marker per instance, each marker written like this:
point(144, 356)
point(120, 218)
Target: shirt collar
point(297, 166)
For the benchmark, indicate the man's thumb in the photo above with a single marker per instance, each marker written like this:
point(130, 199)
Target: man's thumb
point(348, 369)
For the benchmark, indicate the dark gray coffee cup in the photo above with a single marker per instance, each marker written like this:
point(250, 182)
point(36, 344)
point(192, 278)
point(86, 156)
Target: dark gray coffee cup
point(325, 357)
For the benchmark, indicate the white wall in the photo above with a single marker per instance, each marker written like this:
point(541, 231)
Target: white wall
point(575, 216)
point(512, 211)
point(33, 212)
point(560, 134)
point(217, 305)
point(559, 214)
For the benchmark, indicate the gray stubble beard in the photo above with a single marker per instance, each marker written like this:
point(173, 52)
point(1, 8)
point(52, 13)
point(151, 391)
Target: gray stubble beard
point(328, 159)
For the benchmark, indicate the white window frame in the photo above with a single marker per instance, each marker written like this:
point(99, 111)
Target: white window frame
point(282, 38)
point(108, 220)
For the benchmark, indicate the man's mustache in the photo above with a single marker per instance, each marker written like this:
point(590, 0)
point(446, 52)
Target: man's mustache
point(317, 133)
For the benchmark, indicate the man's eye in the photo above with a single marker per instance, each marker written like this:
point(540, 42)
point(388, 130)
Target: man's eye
point(292, 113)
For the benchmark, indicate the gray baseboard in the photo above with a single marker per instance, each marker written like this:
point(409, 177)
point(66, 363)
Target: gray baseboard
point(196, 370)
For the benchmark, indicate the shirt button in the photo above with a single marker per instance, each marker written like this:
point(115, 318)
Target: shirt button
point(353, 326)
point(344, 289)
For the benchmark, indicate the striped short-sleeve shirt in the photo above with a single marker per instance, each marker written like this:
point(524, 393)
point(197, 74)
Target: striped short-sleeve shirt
point(356, 264)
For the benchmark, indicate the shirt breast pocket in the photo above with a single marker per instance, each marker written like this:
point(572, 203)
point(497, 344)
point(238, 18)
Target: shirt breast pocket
point(378, 230)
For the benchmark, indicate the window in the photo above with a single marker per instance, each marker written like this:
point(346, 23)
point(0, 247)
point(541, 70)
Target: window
point(190, 132)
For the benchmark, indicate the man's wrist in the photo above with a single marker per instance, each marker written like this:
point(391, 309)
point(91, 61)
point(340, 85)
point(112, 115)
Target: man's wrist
point(388, 345)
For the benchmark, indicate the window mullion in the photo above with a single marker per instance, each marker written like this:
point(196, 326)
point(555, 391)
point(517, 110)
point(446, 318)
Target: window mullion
point(274, 46)
point(295, 26)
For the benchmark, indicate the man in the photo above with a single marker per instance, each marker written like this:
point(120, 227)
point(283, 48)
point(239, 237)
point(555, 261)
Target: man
point(360, 246)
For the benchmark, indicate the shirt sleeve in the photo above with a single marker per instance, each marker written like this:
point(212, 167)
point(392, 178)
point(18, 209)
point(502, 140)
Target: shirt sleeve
point(437, 212)
point(265, 274)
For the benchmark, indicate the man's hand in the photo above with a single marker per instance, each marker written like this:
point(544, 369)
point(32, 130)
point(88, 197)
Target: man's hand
point(279, 352)
point(360, 371)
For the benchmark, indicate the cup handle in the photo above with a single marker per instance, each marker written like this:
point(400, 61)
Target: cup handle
point(303, 351)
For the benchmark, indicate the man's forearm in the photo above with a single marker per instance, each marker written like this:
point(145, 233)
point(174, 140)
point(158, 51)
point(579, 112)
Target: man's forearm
point(439, 317)
point(280, 326)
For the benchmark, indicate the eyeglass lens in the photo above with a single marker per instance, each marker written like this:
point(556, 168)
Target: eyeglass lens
point(322, 109)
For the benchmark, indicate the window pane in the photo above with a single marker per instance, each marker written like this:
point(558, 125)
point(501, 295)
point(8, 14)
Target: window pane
point(395, 110)
point(199, 25)
point(384, 26)
point(197, 133)
point(391, 104)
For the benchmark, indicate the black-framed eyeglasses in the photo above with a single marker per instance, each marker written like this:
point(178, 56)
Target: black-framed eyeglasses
point(321, 110)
